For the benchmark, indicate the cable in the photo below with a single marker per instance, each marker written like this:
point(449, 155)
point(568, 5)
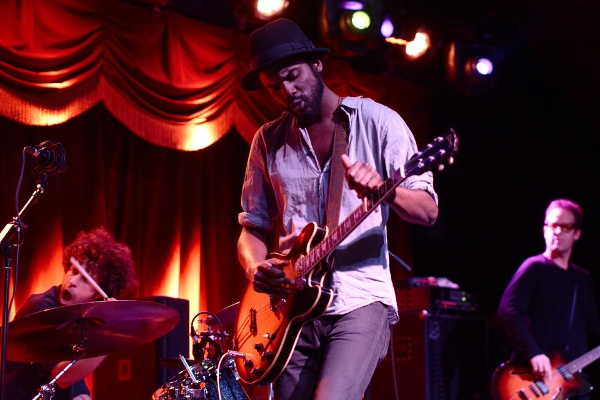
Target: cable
point(393, 361)
point(219, 373)
point(222, 332)
point(20, 233)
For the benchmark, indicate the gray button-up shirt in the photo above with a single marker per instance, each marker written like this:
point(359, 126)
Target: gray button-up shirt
point(283, 178)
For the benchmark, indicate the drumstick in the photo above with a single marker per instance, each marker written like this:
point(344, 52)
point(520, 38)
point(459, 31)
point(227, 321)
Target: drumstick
point(87, 276)
point(189, 370)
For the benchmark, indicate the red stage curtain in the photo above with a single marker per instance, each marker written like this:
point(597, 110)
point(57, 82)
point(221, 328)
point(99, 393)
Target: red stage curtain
point(171, 80)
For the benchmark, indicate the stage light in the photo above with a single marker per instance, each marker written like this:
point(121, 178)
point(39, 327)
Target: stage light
point(359, 21)
point(351, 5)
point(473, 68)
point(418, 46)
point(415, 48)
point(349, 28)
point(266, 9)
point(481, 66)
point(387, 27)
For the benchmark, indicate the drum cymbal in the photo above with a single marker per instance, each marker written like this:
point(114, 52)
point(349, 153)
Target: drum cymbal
point(226, 315)
point(108, 326)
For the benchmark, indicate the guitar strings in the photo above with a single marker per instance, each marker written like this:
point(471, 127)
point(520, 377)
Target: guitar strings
point(556, 378)
point(264, 310)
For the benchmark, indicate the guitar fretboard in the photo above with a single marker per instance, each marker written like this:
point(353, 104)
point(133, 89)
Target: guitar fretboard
point(584, 360)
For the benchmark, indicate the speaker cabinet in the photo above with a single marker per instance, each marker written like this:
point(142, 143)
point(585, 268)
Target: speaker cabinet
point(437, 357)
point(136, 374)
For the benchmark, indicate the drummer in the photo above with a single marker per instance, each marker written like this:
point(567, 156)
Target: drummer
point(110, 265)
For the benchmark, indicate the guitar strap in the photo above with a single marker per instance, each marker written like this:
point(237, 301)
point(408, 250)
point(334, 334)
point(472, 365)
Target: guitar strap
point(336, 178)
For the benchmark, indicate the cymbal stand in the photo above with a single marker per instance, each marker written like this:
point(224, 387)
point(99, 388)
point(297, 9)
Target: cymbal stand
point(46, 392)
point(13, 227)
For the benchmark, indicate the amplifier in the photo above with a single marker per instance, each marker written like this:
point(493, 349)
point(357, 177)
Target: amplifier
point(433, 298)
point(435, 357)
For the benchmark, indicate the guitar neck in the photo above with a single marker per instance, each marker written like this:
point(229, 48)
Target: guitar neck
point(584, 360)
point(325, 247)
point(433, 154)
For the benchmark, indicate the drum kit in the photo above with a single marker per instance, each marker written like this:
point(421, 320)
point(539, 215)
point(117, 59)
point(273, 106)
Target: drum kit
point(211, 374)
point(74, 332)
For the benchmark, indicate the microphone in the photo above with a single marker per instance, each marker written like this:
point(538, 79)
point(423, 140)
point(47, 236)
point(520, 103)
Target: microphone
point(43, 156)
point(48, 158)
point(197, 347)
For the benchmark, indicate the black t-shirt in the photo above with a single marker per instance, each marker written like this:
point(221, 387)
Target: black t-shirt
point(24, 379)
point(535, 310)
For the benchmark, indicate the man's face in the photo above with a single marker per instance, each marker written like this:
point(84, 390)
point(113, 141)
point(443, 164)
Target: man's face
point(75, 288)
point(298, 86)
point(559, 231)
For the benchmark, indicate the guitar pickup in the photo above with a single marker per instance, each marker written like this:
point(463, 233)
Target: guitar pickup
point(534, 390)
point(565, 372)
point(542, 387)
point(522, 395)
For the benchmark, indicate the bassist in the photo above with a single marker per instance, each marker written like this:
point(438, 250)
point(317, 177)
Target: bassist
point(549, 304)
point(290, 182)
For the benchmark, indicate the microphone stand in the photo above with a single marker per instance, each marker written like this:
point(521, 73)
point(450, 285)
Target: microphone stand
point(5, 236)
point(46, 392)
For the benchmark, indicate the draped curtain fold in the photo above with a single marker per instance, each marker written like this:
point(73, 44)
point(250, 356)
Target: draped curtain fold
point(170, 79)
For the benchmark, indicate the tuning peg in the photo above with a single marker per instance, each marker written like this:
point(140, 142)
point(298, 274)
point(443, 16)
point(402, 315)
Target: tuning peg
point(451, 160)
point(440, 167)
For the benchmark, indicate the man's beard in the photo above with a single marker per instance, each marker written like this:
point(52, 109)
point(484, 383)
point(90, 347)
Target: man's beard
point(313, 100)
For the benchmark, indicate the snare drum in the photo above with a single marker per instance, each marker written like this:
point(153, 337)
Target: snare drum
point(182, 387)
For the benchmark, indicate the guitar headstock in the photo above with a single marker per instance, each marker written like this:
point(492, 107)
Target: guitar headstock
point(442, 149)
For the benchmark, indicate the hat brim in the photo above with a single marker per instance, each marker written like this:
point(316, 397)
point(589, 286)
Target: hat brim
point(251, 81)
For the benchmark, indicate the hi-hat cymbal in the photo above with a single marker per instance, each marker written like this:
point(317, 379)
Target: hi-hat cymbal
point(107, 326)
point(226, 315)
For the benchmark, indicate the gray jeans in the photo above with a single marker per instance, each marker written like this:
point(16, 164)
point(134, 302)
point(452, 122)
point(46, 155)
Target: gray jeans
point(335, 356)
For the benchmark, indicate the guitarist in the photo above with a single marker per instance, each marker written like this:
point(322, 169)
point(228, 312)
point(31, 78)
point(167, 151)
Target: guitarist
point(287, 180)
point(549, 303)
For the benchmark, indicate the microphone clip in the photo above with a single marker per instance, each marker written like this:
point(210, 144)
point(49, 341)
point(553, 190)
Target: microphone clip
point(48, 158)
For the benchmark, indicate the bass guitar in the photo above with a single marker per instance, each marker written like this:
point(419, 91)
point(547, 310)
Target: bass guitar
point(267, 326)
point(514, 381)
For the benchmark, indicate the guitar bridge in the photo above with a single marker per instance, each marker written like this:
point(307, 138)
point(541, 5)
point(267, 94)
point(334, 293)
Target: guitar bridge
point(253, 326)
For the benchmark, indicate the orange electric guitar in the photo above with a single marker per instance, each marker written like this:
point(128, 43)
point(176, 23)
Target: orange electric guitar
point(267, 326)
point(516, 381)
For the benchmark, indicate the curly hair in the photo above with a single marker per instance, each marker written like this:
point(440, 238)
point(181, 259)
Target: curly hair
point(109, 262)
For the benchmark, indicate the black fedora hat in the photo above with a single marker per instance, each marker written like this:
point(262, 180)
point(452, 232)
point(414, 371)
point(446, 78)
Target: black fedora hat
point(276, 41)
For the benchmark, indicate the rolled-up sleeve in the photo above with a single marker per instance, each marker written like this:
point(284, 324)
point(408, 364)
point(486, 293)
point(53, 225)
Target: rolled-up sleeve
point(398, 146)
point(255, 190)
